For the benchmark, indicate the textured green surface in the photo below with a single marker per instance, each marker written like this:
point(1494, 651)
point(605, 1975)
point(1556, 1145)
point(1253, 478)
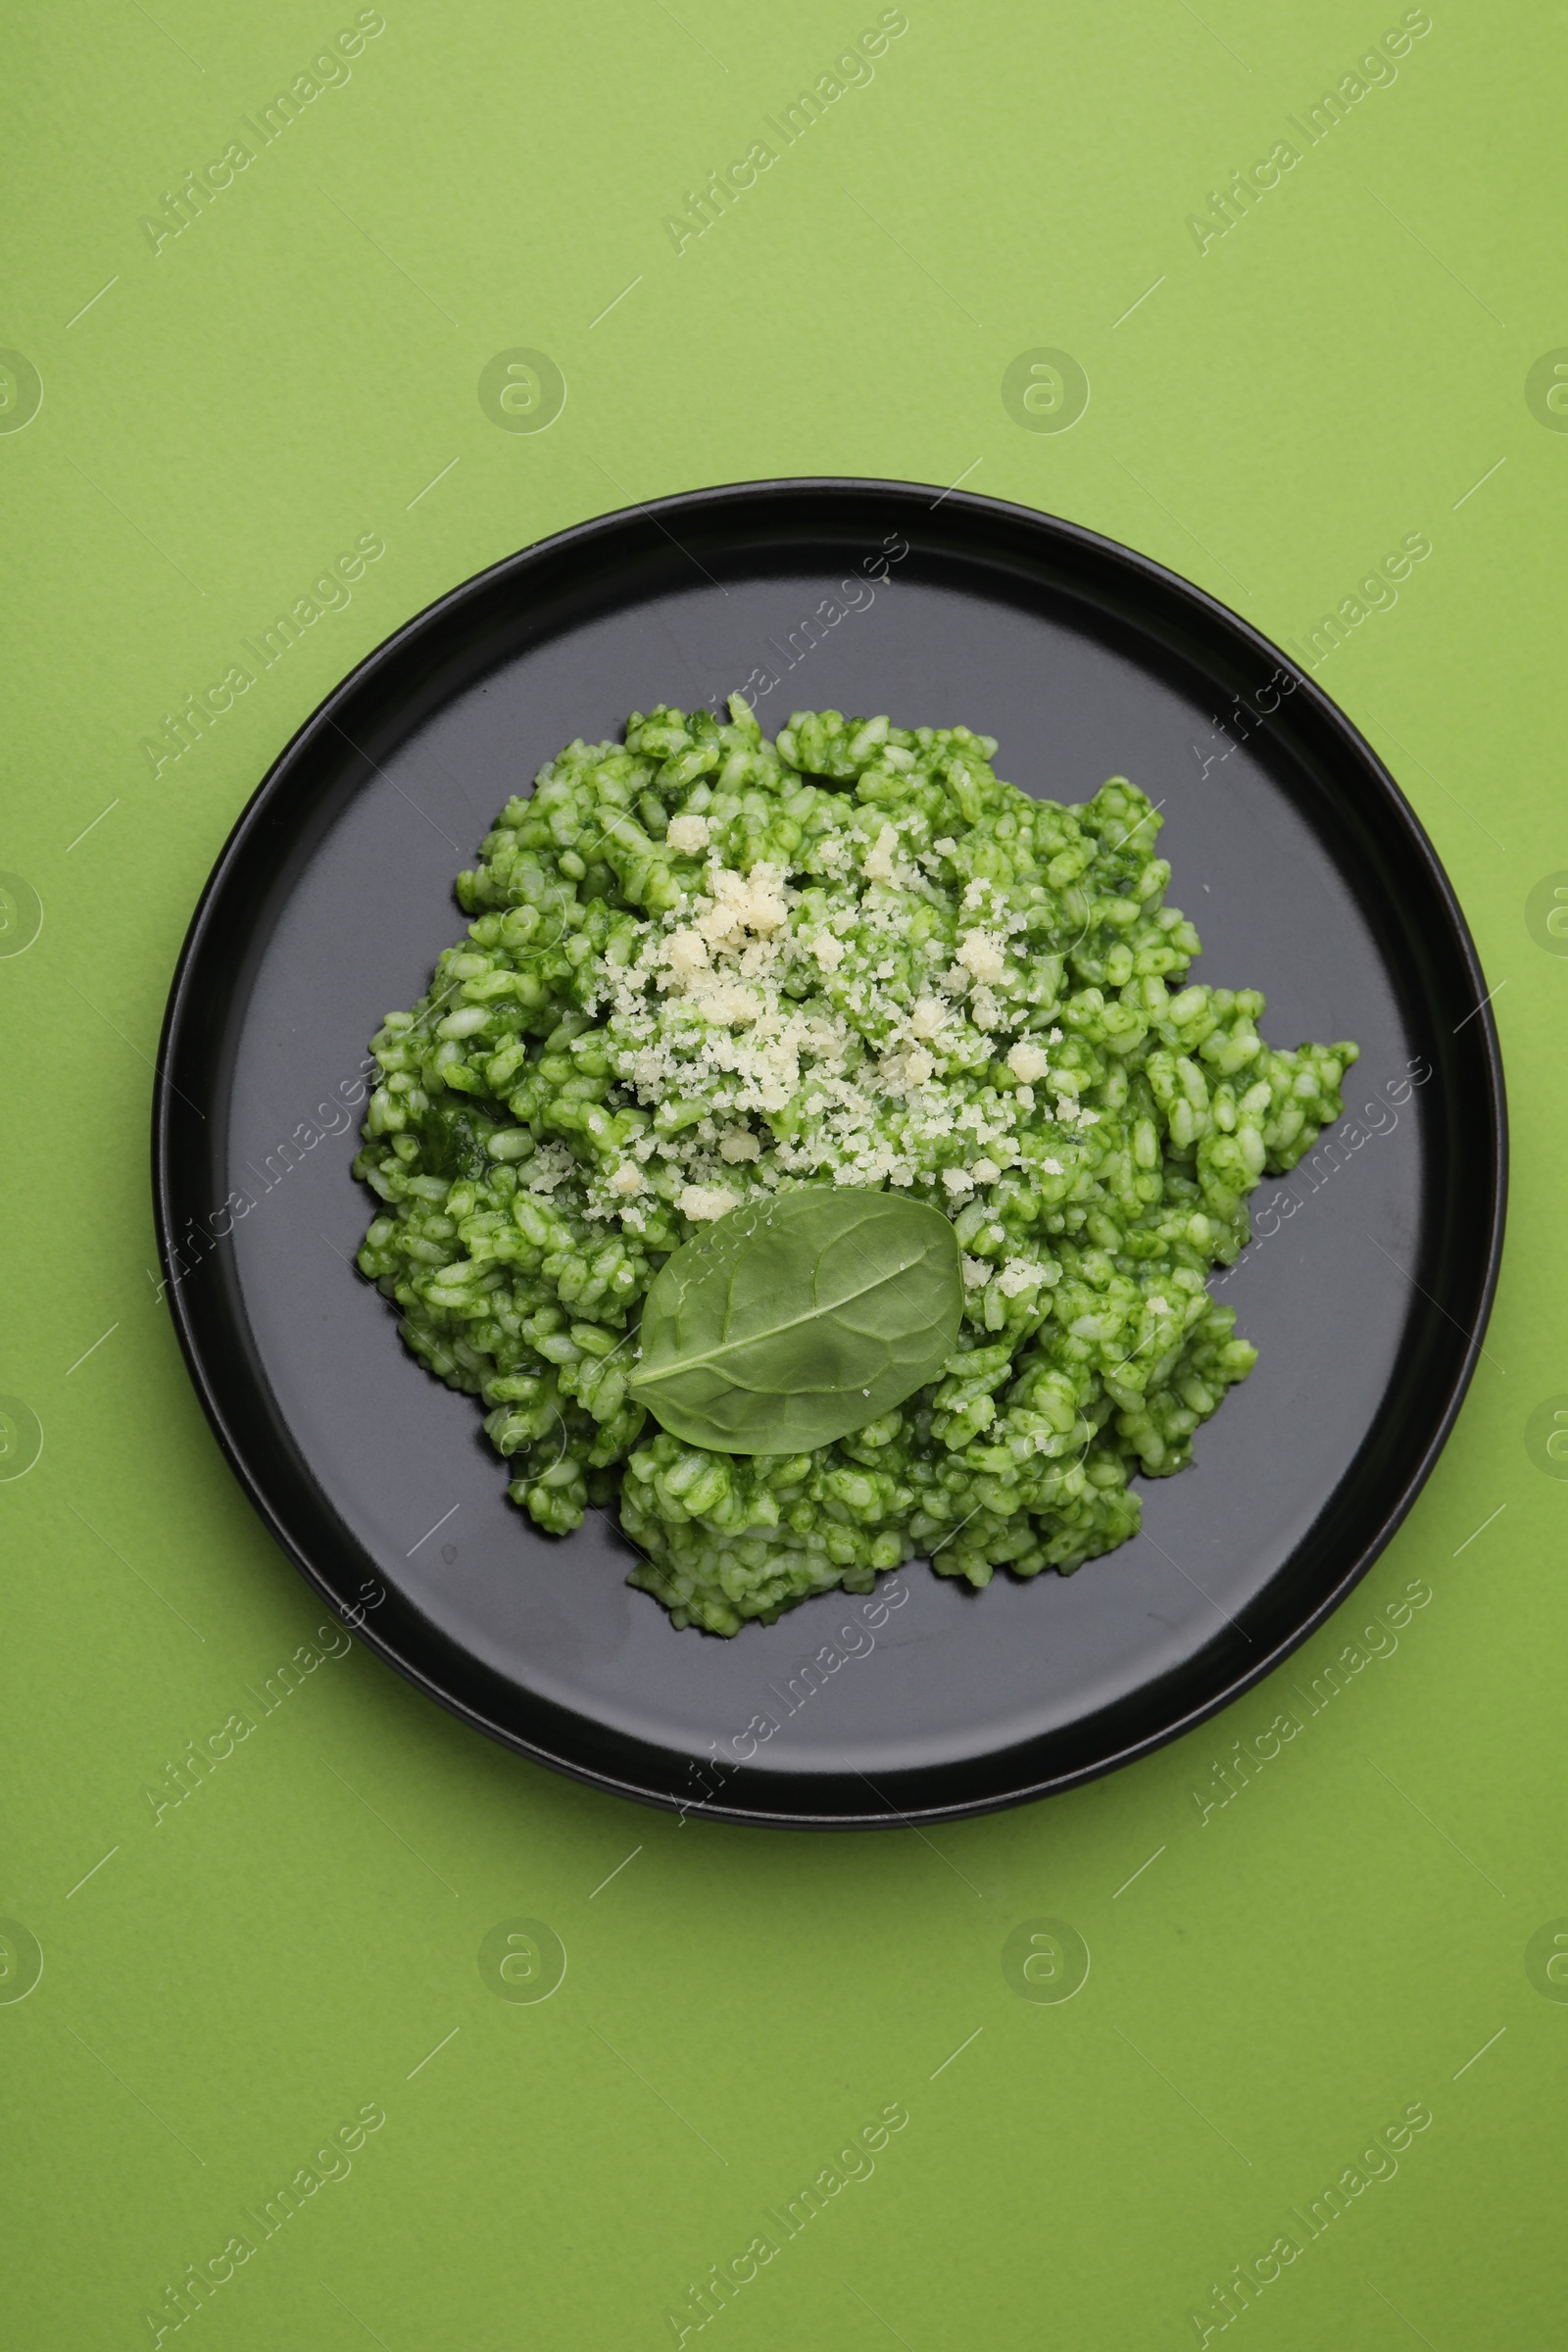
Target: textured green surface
point(1292, 1970)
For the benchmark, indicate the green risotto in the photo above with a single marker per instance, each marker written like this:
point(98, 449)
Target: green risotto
point(703, 969)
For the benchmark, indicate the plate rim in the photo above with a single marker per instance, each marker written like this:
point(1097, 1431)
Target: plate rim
point(1206, 611)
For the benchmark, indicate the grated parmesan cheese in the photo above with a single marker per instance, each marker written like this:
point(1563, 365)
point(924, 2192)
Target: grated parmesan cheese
point(687, 955)
point(705, 1204)
point(980, 952)
point(687, 835)
point(878, 866)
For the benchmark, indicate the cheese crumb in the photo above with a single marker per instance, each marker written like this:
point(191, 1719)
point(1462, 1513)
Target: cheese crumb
point(765, 909)
point(751, 901)
point(705, 1204)
point(548, 1168)
point(1019, 1275)
point(927, 1017)
point(879, 859)
point(976, 1273)
point(686, 955)
point(957, 1180)
point(829, 951)
point(627, 1179)
point(738, 1147)
point(1026, 1061)
point(729, 1007)
point(985, 1171)
point(687, 835)
point(982, 954)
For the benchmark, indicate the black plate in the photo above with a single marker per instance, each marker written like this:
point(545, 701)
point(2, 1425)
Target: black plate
point(1309, 876)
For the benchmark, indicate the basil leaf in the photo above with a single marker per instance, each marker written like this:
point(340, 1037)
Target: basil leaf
point(795, 1320)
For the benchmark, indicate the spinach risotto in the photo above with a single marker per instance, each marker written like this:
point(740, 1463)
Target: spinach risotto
point(704, 971)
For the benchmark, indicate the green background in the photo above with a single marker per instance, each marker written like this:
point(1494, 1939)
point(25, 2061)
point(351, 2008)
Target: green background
point(224, 1986)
